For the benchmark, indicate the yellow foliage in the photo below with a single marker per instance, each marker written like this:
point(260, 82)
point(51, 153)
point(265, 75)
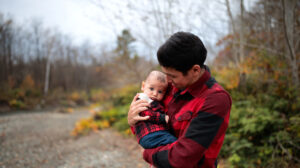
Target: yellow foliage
point(128, 131)
point(12, 102)
point(94, 126)
point(83, 126)
point(16, 104)
point(28, 82)
point(21, 94)
point(229, 77)
point(104, 124)
point(113, 119)
point(74, 96)
point(70, 110)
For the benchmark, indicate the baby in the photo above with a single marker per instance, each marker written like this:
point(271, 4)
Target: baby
point(153, 132)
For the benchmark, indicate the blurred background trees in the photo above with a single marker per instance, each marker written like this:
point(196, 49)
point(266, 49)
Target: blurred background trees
point(261, 58)
point(256, 58)
point(36, 60)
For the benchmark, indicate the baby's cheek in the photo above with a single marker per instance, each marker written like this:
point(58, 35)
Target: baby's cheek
point(160, 97)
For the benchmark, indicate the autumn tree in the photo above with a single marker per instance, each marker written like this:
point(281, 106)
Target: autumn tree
point(264, 117)
point(126, 67)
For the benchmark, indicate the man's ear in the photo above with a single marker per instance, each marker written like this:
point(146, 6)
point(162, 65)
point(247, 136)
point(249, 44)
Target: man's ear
point(143, 86)
point(196, 69)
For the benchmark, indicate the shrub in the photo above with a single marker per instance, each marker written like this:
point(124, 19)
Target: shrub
point(113, 112)
point(78, 97)
point(259, 135)
point(17, 104)
point(84, 126)
point(124, 96)
point(99, 95)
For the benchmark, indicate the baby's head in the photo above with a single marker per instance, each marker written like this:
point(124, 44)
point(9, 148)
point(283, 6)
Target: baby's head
point(155, 85)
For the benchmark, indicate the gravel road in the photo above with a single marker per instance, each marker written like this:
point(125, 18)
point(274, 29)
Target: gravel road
point(42, 140)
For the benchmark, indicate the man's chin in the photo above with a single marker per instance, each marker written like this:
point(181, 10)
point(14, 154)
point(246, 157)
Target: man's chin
point(175, 86)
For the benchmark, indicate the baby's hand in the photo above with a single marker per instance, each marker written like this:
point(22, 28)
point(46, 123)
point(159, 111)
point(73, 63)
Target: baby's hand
point(167, 118)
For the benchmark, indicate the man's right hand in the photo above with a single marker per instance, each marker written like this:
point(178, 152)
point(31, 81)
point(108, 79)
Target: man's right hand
point(136, 107)
point(167, 118)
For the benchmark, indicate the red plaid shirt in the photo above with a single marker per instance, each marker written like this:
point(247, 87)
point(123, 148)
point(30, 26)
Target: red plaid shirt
point(155, 123)
point(199, 117)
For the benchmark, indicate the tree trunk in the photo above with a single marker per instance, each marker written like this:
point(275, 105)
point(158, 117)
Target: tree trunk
point(288, 16)
point(234, 31)
point(242, 40)
point(47, 76)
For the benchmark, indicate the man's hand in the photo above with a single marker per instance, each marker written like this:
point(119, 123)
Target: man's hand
point(136, 107)
point(167, 118)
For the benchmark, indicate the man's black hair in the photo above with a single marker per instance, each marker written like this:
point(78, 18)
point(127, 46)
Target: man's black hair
point(182, 51)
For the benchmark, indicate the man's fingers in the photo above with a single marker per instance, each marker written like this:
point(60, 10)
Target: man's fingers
point(140, 118)
point(137, 108)
point(139, 103)
point(140, 109)
point(142, 102)
point(135, 119)
point(135, 97)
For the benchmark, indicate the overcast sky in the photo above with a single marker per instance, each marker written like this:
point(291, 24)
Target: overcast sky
point(83, 20)
point(73, 17)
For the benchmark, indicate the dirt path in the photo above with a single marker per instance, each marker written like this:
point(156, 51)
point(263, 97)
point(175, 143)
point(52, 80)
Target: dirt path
point(42, 140)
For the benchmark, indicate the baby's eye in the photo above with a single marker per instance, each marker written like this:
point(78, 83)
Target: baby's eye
point(151, 89)
point(160, 91)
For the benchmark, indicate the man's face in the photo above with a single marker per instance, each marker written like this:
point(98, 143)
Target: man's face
point(177, 78)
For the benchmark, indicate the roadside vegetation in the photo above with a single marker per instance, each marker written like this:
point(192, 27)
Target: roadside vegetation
point(258, 63)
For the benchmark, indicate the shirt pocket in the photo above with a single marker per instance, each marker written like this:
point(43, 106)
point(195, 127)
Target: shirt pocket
point(185, 116)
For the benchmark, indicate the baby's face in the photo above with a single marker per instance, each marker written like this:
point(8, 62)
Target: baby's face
point(155, 89)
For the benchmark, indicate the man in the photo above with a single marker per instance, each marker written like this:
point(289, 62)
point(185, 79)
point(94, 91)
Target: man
point(198, 107)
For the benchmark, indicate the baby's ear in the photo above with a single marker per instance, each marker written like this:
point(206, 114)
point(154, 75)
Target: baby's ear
point(143, 85)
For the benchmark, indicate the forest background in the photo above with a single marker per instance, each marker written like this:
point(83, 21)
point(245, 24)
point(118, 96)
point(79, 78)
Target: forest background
point(257, 61)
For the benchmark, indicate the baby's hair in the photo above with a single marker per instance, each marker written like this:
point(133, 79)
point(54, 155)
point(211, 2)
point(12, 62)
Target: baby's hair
point(159, 76)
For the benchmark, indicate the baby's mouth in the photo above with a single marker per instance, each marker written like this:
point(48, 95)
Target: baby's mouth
point(153, 98)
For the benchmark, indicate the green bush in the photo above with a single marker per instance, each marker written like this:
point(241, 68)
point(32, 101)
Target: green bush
point(113, 111)
point(121, 125)
point(114, 114)
point(260, 133)
point(124, 96)
point(17, 104)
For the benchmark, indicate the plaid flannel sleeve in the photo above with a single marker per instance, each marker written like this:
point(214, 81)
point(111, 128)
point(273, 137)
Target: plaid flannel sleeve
point(155, 117)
